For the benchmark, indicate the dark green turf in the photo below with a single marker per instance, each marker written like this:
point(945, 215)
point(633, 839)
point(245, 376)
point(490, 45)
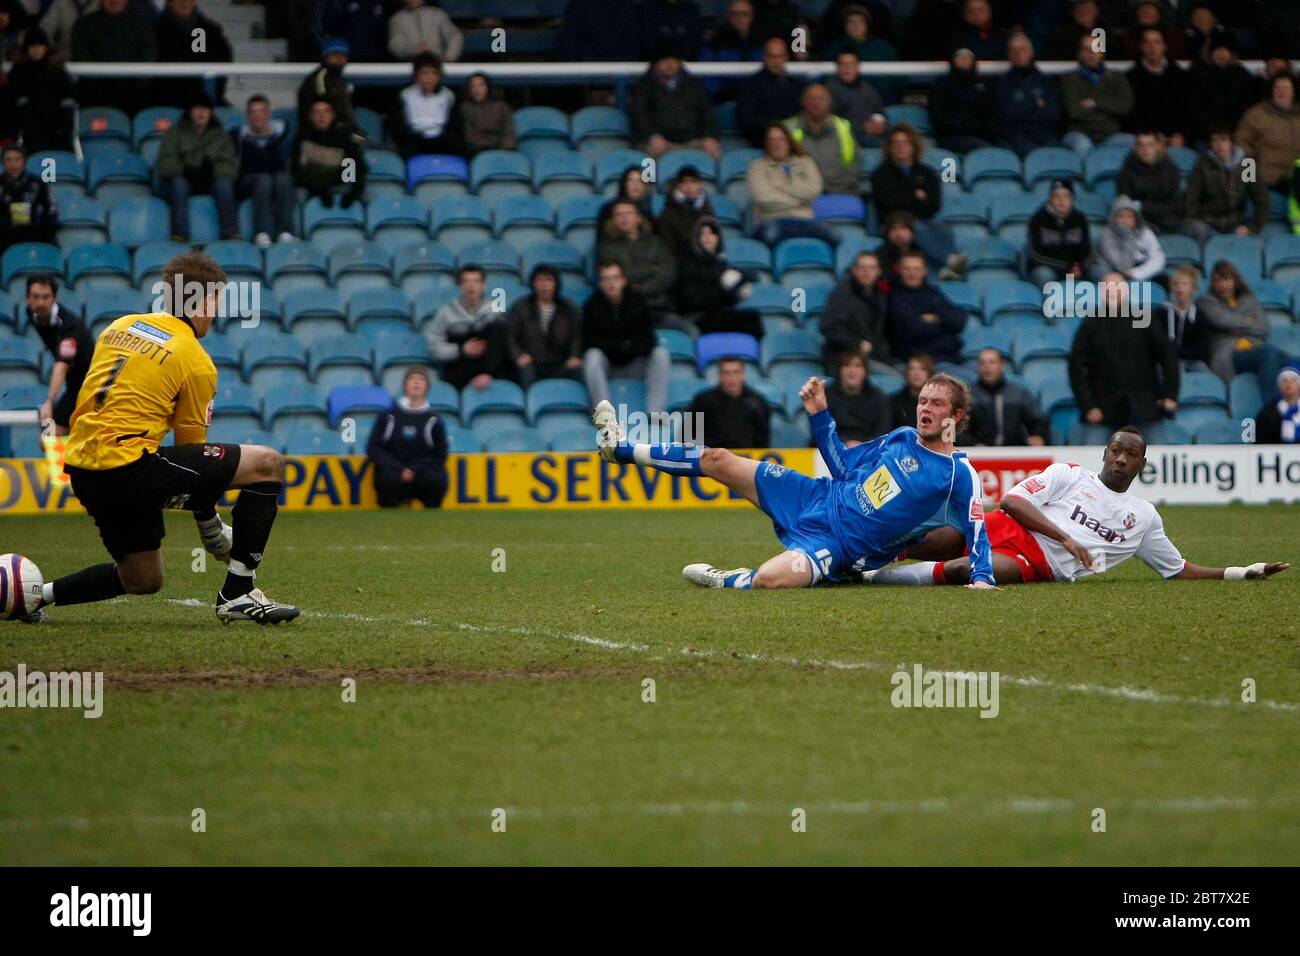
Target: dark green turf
point(522, 690)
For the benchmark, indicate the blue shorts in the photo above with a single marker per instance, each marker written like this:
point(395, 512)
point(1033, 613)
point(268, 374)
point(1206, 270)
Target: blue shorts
point(797, 506)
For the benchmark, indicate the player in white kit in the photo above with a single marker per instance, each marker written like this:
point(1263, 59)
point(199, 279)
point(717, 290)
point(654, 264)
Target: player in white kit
point(1067, 523)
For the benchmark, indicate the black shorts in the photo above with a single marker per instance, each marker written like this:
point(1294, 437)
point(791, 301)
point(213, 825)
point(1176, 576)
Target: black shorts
point(65, 406)
point(127, 502)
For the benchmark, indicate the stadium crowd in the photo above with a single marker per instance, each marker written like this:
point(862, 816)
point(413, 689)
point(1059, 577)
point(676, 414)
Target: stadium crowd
point(871, 228)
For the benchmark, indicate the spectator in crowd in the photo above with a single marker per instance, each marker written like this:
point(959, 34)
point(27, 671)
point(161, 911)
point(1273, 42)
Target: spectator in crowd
point(857, 100)
point(599, 31)
point(633, 188)
point(326, 82)
point(1083, 19)
point(197, 157)
point(1269, 132)
point(1222, 89)
point(672, 26)
point(1151, 178)
point(869, 48)
point(177, 41)
point(1278, 421)
point(1149, 16)
point(467, 337)
point(38, 97)
point(710, 291)
point(670, 109)
point(1122, 372)
point(735, 40)
point(647, 264)
point(1127, 245)
point(732, 415)
point(1233, 318)
point(883, 25)
point(59, 20)
point(861, 410)
point(618, 333)
point(1002, 412)
point(426, 119)
point(1182, 320)
point(327, 158)
point(961, 106)
point(420, 27)
point(769, 96)
point(115, 33)
point(978, 33)
point(778, 18)
point(1162, 91)
point(27, 209)
point(1293, 199)
point(1026, 103)
point(900, 240)
point(827, 140)
point(408, 448)
point(1217, 192)
point(70, 345)
point(783, 183)
point(1059, 243)
point(1203, 31)
point(922, 318)
point(902, 404)
point(487, 121)
point(853, 320)
point(261, 145)
point(687, 204)
point(363, 24)
point(542, 331)
point(1096, 100)
point(903, 183)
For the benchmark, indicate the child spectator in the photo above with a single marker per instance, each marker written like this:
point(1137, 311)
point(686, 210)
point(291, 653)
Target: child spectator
point(260, 148)
point(426, 118)
point(408, 448)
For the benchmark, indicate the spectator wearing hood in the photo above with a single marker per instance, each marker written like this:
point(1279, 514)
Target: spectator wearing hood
point(670, 110)
point(1026, 103)
point(709, 289)
point(686, 206)
point(197, 157)
point(1161, 91)
point(961, 106)
point(647, 262)
point(327, 82)
point(27, 209)
point(426, 119)
point(175, 39)
point(328, 158)
point(1217, 194)
point(1269, 132)
point(857, 100)
point(1150, 177)
point(1127, 245)
point(362, 23)
point(1278, 421)
point(771, 95)
point(783, 183)
point(38, 97)
point(600, 31)
point(921, 317)
point(1096, 100)
point(731, 414)
point(261, 149)
point(1232, 317)
point(408, 446)
point(1222, 89)
point(487, 121)
point(419, 28)
point(979, 34)
point(861, 410)
point(853, 320)
point(903, 183)
point(1002, 412)
point(543, 331)
point(670, 26)
point(1059, 244)
point(827, 140)
point(115, 33)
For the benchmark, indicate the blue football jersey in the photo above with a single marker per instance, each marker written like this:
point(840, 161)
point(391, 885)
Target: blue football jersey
point(882, 491)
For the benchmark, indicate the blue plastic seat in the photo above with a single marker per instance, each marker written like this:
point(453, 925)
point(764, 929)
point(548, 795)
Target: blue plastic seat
point(421, 264)
point(313, 313)
point(1009, 215)
point(459, 221)
point(1245, 252)
point(1042, 342)
point(1213, 431)
point(314, 441)
point(345, 400)
point(673, 161)
point(236, 434)
point(29, 258)
point(562, 174)
point(800, 261)
point(715, 346)
point(977, 338)
point(118, 175)
point(153, 122)
point(1202, 388)
point(394, 353)
point(598, 126)
point(1167, 433)
point(524, 220)
point(750, 254)
point(1051, 162)
point(992, 166)
point(105, 264)
point(434, 176)
point(966, 214)
point(104, 123)
point(551, 395)
point(237, 398)
point(109, 305)
point(839, 208)
point(680, 346)
point(135, 220)
point(499, 396)
point(371, 126)
point(24, 353)
point(499, 173)
point(611, 166)
point(295, 265)
point(491, 255)
point(462, 441)
point(290, 407)
point(794, 346)
point(735, 164)
point(541, 122)
point(563, 256)
point(394, 221)
point(1184, 158)
point(1282, 257)
point(514, 439)
point(575, 219)
point(1244, 397)
point(223, 351)
point(267, 350)
point(148, 262)
point(328, 226)
point(1013, 298)
point(1180, 250)
point(965, 295)
point(385, 175)
point(383, 306)
point(357, 265)
point(57, 166)
point(335, 360)
point(1103, 163)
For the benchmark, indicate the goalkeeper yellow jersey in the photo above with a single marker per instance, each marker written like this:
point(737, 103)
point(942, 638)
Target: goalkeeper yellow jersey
point(149, 376)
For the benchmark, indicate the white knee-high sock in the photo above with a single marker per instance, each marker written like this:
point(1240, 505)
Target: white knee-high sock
point(919, 574)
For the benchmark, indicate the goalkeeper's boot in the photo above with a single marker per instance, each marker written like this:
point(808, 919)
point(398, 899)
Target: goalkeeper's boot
point(37, 616)
point(254, 606)
point(707, 576)
point(217, 537)
point(609, 433)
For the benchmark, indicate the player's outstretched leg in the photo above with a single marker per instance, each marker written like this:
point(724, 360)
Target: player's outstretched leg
point(957, 571)
point(259, 479)
point(789, 569)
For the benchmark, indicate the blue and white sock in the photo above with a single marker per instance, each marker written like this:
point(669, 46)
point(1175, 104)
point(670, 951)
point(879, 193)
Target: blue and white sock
point(741, 579)
point(674, 458)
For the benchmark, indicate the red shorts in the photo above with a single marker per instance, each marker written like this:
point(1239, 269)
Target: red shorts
point(1007, 536)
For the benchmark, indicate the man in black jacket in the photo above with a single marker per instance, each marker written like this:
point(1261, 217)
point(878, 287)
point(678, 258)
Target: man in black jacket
point(1002, 412)
point(1123, 370)
point(961, 106)
point(854, 317)
point(732, 415)
point(69, 343)
point(771, 95)
point(1152, 178)
point(1162, 91)
point(861, 411)
point(1058, 237)
point(671, 110)
point(408, 447)
point(115, 33)
point(543, 329)
point(177, 42)
point(618, 332)
point(329, 158)
point(27, 210)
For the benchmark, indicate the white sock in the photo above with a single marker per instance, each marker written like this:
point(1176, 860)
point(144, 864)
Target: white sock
point(47, 593)
point(919, 574)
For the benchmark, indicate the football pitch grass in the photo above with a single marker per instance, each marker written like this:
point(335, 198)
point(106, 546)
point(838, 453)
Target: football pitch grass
point(523, 690)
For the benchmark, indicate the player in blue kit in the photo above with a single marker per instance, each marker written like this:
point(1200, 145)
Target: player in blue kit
point(859, 518)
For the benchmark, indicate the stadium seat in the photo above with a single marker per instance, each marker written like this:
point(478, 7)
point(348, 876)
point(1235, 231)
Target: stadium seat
point(329, 226)
point(563, 256)
point(555, 395)
point(237, 434)
point(680, 346)
point(735, 164)
point(419, 265)
point(295, 265)
point(715, 346)
point(514, 439)
point(136, 220)
point(575, 220)
point(751, 255)
point(57, 166)
point(784, 434)
point(571, 439)
point(967, 215)
point(21, 398)
point(799, 262)
point(114, 176)
point(611, 166)
point(846, 213)
point(524, 220)
point(1244, 397)
point(1288, 340)
point(1215, 431)
point(1180, 250)
point(314, 441)
point(499, 405)
point(149, 260)
point(541, 129)
point(270, 351)
point(499, 173)
point(1081, 433)
point(310, 314)
point(978, 338)
point(1046, 163)
point(1103, 163)
point(1043, 342)
point(345, 400)
point(993, 169)
point(371, 125)
point(29, 258)
point(357, 265)
point(394, 354)
point(236, 403)
point(224, 352)
point(1202, 388)
point(1040, 372)
point(673, 161)
point(991, 261)
point(1012, 298)
point(385, 175)
point(965, 295)
point(561, 174)
point(292, 407)
point(1245, 252)
point(20, 360)
point(462, 441)
point(429, 300)
point(915, 116)
point(499, 259)
point(1009, 215)
point(84, 220)
point(434, 176)
point(395, 221)
point(385, 308)
point(598, 129)
point(460, 221)
point(1282, 258)
point(103, 129)
point(334, 360)
point(790, 347)
point(108, 265)
point(1184, 158)
point(1166, 433)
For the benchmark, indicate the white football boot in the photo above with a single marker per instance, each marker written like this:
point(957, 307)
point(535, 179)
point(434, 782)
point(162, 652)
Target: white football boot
point(609, 433)
point(255, 606)
point(707, 576)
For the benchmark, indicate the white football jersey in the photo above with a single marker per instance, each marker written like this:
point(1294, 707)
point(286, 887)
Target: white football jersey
point(1110, 525)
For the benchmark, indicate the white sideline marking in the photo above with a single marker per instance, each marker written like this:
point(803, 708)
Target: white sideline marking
point(1136, 694)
